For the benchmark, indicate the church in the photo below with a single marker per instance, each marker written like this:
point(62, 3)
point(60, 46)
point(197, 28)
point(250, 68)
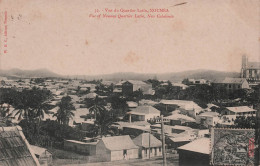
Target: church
point(250, 70)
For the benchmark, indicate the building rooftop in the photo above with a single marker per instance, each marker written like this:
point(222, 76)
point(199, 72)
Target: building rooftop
point(185, 104)
point(38, 150)
point(119, 142)
point(201, 145)
point(177, 116)
point(82, 143)
point(14, 148)
point(136, 82)
point(121, 125)
point(241, 109)
point(209, 114)
point(229, 80)
point(143, 110)
point(143, 141)
point(253, 65)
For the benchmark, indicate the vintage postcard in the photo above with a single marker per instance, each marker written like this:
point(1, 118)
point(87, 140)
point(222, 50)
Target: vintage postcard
point(129, 82)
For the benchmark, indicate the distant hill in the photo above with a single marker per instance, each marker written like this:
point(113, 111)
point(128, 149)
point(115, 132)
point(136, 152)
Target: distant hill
point(173, 76)
point(18, 73)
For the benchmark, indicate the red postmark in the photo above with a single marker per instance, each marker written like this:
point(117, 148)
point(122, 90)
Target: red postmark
point(4, 32)
point(251, 147)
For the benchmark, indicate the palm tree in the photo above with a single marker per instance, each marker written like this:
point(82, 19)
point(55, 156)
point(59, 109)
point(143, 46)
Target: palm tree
point(4, 112)
point(96, 107)
point(103, 123)
point(64, 112)
point(103, 118)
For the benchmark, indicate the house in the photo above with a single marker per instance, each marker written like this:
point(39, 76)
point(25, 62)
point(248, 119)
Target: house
point(143, 113)
point(230, 84)
point(87, 148)
point(43, 155)
point(116, 148)
point(197, 81)
point(179, 86)
point(208, 119)
point(179, 119)
point(131, 86)
point(239, 111)
point(250, 70)
point(175, 131)
point(135, 130)
point(195, 153)
point(15, 149)
point(91, 95)
point(121, 125)
point(118, 87)
point(188, 107)
point(175, 142)
point(147, 143)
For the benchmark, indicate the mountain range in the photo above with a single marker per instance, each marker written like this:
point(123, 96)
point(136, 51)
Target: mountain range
point(172, 76)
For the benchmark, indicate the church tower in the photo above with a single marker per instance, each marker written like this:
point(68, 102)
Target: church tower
point(244, 66)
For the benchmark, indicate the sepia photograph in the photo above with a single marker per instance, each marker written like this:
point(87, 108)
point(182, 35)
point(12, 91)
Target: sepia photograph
point(129, 82)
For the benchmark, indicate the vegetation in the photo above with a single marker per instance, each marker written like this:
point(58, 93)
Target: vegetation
point(103, 118)
point(64, 112)
point(52, 133)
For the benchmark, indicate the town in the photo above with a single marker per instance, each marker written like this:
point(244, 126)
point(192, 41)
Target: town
point(72, 121)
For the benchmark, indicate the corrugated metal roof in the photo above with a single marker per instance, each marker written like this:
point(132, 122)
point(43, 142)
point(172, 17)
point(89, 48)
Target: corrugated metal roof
point(119, 143)
point(14, 148)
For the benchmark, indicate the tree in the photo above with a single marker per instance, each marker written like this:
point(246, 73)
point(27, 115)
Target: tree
point(155, 83)
point(95, 106)
point(103, 117)
point(64, 112)
point(31, 104)
point(118, 105)
point(186, 81)
point(103, 123)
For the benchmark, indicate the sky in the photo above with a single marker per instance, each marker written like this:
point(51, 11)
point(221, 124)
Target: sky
point(60, 36)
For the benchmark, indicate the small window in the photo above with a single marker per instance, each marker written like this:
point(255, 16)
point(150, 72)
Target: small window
point(160, 149)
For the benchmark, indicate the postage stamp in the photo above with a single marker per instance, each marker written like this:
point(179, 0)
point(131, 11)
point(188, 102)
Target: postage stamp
point(232, 146)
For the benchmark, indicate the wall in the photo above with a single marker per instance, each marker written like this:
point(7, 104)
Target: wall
point(103, 153)
point(151, 116)
point(155, 151)
point(87, 149)
point(193, 158)
point(119, 155)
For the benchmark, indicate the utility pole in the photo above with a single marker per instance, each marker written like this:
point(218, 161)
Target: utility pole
point(163, 142)
point(150, 143)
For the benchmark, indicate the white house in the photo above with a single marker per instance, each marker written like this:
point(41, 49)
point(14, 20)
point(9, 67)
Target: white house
point(145, 141)
point(188, 107)
point(208, 118)
point(240, 110)
point(116, 148)
point(143, 113)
